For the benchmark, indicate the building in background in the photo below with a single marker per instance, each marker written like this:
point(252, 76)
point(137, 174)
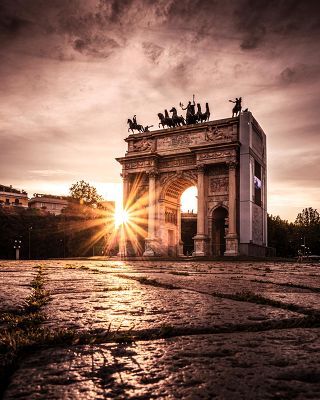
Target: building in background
point(10, 196)
point(50, 203)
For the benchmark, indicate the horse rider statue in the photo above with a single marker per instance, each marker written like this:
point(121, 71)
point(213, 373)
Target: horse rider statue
point(133, 125)
point(237, 107)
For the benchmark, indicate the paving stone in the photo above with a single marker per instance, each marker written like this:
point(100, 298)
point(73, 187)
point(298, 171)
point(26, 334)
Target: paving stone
point(274, 364)
point(79, 300)
point(280, 364)
point(15, 279)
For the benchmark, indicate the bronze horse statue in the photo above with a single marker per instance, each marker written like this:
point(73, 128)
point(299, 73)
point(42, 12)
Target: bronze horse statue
point(203, 117)
point(237, 106)
point(177, 120)
point(165, 121)
point(135, 126)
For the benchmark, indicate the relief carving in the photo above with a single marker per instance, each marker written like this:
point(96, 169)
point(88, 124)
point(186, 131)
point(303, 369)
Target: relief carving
point(170, 216)
point(138, 164)
point(214, 133)
point(181, 140)
point(142, 145)
point(215, 155)
point(219, 184)
point(257, 225)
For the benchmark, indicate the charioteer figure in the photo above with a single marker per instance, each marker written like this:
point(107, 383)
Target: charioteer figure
point(191, 118)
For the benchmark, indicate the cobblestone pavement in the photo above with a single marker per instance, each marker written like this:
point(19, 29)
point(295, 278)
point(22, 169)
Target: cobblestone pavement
point(167, 330)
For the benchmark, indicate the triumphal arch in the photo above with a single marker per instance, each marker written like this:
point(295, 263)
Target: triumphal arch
point(225, 159)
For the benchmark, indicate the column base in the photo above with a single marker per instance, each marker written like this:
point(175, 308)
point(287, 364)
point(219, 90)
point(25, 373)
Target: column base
point(200, 246)
point(180, 249)
point(151, 247)
point(232, 245)
point(126, 249)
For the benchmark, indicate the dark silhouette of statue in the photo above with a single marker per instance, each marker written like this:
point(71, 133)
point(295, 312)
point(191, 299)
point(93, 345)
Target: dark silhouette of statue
point(146, 128)
point(203, 117)
point(191, 117)
point(237, 107)
point(165, 120)
point(133, 125)
point(177, 120)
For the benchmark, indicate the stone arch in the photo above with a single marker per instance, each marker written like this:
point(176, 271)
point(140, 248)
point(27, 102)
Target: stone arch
point(171, 189)
point(175, 185)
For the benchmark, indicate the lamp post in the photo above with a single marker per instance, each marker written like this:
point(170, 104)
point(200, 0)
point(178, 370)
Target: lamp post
point(304, 246)
point(17, 246)
point(30, 229)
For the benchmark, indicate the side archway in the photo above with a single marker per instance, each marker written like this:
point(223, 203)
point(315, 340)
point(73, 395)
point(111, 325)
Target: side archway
point(219, 230)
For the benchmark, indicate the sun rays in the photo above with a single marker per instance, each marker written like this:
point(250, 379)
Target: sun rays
point(125, 227)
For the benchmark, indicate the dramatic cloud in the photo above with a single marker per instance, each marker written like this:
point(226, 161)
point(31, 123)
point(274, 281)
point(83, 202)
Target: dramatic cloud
point(73, 71)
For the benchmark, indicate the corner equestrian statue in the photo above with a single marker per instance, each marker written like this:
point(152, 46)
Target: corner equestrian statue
point(237, 108)
point(134, 125)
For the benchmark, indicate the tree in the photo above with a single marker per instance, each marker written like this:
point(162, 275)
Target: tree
point(307, 226)
point(85, 194)
point(308, 218)
point(281, 236)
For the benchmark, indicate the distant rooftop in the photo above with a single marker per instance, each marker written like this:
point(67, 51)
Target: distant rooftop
point(10, 189)
point(50, 196)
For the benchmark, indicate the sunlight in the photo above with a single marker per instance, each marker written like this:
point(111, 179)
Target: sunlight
point(121, 217)
point(189, 200)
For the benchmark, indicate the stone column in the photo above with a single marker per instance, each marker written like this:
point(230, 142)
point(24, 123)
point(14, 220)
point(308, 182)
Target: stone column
point(150, 241)
point(200, 240)
point(232, 245)
point(126, 189)
point(179, 241)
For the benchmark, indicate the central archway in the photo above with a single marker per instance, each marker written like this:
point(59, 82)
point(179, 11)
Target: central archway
point(170, 213)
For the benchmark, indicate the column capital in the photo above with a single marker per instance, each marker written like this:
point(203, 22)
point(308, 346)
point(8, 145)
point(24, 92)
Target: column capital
point(232, 164)
point(200, 168)
point(124, 175)
point(152, 173)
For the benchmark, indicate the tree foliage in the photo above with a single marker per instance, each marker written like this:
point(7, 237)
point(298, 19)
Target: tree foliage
point(309, 217)
point(288, 238)
point(85, 194)
point(71, 234)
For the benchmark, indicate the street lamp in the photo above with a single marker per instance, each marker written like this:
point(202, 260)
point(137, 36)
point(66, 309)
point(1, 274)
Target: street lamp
point(17, 246)
point(30, 229)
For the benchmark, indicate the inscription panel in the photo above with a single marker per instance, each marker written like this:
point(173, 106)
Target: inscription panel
point(180, 162)
point(179, 141)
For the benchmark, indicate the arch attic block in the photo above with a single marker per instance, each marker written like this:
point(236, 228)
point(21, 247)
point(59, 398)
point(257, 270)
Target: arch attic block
point(226, 160)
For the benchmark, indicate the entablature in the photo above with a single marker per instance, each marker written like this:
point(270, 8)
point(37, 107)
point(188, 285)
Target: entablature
point(180, 139)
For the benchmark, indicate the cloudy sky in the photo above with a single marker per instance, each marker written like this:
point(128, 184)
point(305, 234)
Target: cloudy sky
point(73, 71)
